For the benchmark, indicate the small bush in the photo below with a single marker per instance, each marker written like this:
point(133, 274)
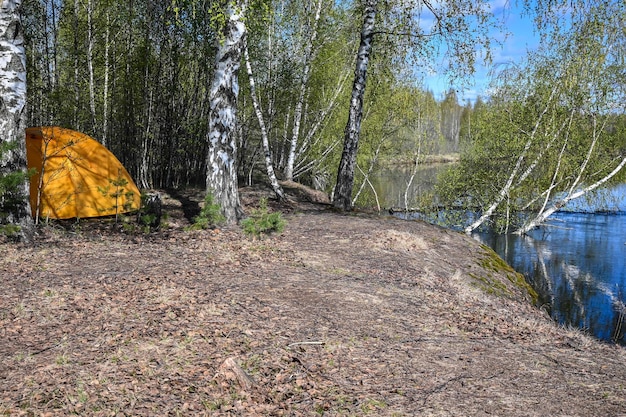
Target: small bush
point(12, 199)
point(210, 215)
point(262, 222)
point(11, 231)
point(150, 220)
point(151, 212)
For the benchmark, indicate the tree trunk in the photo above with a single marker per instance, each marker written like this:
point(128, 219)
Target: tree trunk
point(221, 178)
point(504, 191)
point(90, 45)
point(144, 165)
point(76, 66)
point(345, 177)
point(266, 144)
point(572, 193)
point(304, 82)
point(542, 216)
point(302, 167)
point(13, 115)
point(149, 83)
point(366, 176)
point(105, 91)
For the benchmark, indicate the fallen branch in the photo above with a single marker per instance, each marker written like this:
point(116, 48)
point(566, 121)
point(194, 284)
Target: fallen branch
point(305, 343)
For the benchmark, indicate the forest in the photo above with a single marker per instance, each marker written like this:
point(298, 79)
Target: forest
point(137, 78)
point(223, 94)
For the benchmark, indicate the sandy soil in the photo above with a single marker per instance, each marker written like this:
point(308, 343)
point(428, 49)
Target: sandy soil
point(349, 315)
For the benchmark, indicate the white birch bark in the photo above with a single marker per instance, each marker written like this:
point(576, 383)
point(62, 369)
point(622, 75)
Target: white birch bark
point(304, 82)
point(76, 79)
point(366, 180)
point(315, 164)
point(412, 177)
point(342, 197)
point(13, 114)
point(221, 178)
point(307, 142)
point(90, 42)
point(547, 193)
point(574, 191)
point(366, 177)
point(144, 180)
point(105, 91)
point(506, 189)
point(278, 190)
point(571, 195)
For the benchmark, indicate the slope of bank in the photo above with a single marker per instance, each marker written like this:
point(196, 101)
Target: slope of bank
point(338, 315)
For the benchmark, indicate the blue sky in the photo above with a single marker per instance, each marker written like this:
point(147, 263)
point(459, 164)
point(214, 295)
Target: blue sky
point(513, 49)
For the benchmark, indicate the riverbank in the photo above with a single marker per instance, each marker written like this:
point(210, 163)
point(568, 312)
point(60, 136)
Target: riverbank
point(450, 158)
point(339, 315)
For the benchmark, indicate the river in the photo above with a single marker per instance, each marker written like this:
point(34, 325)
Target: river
point(576, 262)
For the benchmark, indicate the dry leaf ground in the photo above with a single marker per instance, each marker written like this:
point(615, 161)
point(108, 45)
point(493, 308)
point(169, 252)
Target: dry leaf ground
point(339, 315)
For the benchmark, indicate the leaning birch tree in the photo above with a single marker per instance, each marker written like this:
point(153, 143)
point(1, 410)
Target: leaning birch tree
point(594, 51)
point(563, 104)
point(14, 203)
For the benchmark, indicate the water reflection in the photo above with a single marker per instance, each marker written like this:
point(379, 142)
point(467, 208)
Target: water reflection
point(391, 183)
point(577, 265)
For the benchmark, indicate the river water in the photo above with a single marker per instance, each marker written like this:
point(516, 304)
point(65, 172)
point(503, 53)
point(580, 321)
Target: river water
point(577, 266)
point(576, 262)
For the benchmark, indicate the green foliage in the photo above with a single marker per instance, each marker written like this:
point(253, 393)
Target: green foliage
point(148, 219)
point(121, 198)
point(550, 129)
point(130, 227)
point(11, 196)
point(9, 184)
point(140, 49)
point(262, 222)
point(11, 231)
point(150, 214)
point(210, 215)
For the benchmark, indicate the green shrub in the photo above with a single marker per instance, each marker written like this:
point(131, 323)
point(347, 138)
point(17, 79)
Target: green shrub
point(149, 219)
point(11, 230)
point(261, 221)
point(12, 199)
point(210, 215)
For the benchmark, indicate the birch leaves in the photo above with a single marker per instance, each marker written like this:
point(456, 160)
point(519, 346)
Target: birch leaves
point(560, 118)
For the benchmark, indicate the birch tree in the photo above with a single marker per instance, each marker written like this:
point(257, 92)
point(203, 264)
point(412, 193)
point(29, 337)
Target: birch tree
point(539, 134)
point(14, 204)
point(345, 176)
point(221, 180)
point(269, 166)
point(552, 135)
point(419, 29)
point(298, 55)
point(40, 21)
point(309, 53)
point(90, 48)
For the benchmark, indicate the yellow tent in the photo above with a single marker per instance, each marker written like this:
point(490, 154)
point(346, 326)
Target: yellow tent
point(76, 176)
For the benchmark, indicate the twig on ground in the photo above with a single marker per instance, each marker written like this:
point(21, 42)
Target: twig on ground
point(305, 343)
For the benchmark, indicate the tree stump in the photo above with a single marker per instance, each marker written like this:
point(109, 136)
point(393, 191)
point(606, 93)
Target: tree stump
point(233, 372)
